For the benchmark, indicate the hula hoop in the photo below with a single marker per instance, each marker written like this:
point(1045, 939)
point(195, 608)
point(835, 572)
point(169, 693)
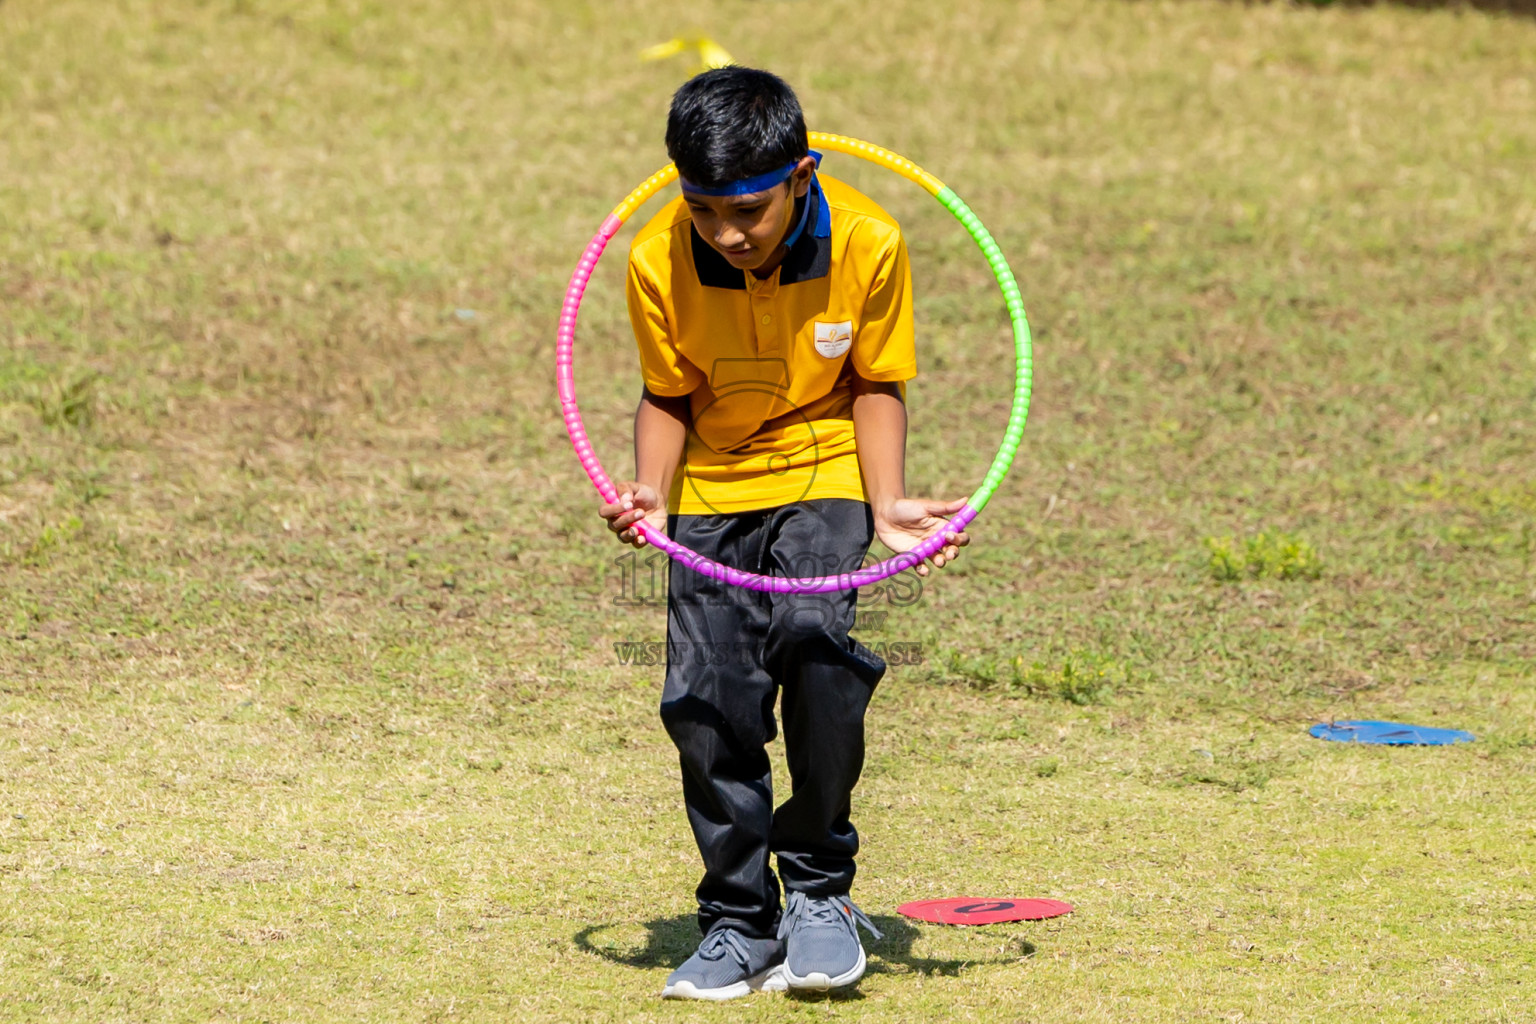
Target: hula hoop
point(1023, 380)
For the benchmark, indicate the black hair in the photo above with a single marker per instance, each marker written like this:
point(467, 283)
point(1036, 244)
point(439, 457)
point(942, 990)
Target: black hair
point(733, 122)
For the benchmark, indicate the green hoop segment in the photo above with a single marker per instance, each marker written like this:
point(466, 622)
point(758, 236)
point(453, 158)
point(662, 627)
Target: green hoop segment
point(1024, 365)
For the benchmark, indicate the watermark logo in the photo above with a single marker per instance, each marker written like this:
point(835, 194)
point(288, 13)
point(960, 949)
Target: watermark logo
point(656, 653)
point(747, 397)
point(644, 578)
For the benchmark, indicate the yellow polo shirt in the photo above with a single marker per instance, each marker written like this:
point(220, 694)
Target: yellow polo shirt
point(768, 364)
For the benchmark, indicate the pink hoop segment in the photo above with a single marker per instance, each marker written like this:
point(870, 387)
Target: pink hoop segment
point(566, 383)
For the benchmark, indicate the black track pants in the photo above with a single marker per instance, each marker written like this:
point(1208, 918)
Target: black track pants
point(730, 651)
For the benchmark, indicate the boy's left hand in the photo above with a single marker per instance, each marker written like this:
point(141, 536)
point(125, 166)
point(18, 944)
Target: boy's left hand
point(904, 523)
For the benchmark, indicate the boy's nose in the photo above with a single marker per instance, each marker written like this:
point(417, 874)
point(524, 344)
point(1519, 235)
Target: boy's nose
point(728, 237)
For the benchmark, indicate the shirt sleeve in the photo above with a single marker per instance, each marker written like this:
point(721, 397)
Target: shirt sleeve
point(884, 348)
point(665, 370)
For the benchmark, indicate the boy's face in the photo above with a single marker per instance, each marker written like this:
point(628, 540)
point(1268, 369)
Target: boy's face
point(747, 229)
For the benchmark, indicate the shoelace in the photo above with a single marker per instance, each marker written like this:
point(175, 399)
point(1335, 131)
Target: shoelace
point(725, 940)
point(831, 910)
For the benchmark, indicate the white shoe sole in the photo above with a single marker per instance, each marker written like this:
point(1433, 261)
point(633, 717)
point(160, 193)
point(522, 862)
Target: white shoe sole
point(819, 982)
point(771, 980)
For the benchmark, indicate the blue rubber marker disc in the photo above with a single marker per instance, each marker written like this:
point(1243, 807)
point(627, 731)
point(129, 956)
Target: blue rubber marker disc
point(1391, 733)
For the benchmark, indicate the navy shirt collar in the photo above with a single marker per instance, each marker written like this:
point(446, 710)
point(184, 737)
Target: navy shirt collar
point(809, 256)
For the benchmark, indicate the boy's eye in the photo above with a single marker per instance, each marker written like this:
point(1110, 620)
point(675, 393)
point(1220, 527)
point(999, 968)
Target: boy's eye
point(749, 210)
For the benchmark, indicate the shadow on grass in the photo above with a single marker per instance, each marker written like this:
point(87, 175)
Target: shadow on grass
point(671, 940)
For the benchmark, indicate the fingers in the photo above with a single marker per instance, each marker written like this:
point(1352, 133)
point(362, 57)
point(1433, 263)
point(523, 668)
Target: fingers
point(632, 534)
point(626, 519)
point(610, 509)
point(617, 511)
point(623, 516)
point(904, 537)
point(939, 559)
point(628, 528)
point(957, 540)
point(620, 519)
point(949, 552)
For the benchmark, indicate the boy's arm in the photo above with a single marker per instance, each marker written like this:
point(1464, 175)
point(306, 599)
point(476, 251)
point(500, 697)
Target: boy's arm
point(662, 421)
point(661, 430)
point(880, 432)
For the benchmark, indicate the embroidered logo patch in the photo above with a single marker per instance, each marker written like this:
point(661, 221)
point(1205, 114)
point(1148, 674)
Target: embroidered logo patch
point(832, 340)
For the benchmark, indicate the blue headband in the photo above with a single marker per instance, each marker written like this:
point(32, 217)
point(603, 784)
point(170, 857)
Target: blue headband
point(747, 186)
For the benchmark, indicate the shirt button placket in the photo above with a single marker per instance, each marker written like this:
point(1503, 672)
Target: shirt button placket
point(762, 309)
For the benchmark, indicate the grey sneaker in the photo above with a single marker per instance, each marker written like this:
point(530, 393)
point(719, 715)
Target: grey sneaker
point(728, 965)
point(823, 950)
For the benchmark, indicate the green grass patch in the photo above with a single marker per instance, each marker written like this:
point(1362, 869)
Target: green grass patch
point(1081, 677)
point(1268, 555)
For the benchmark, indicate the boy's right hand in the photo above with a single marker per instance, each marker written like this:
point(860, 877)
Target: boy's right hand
point(636, 502)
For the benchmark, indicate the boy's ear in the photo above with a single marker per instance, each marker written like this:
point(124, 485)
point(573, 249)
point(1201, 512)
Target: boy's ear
point(800, 177)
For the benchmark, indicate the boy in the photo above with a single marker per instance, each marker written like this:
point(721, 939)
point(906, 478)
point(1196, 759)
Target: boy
point(773, 315)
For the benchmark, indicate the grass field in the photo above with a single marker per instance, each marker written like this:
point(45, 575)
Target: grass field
point(310, 707)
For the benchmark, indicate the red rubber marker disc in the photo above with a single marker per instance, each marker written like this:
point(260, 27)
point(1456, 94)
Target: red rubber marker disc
point(971, 910)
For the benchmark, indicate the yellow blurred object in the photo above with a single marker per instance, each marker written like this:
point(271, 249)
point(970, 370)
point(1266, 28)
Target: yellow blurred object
point(711, 54)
